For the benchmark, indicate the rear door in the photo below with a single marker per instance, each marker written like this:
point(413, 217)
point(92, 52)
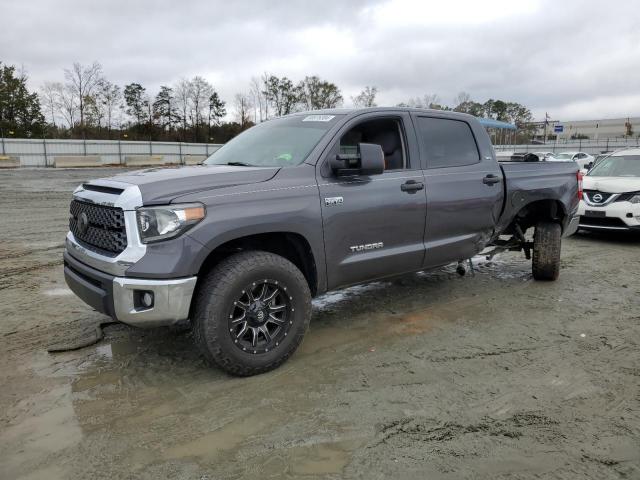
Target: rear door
point(464, 189)
point(373, 225)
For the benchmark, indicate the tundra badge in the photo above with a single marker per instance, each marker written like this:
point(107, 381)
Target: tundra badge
point(367, 246)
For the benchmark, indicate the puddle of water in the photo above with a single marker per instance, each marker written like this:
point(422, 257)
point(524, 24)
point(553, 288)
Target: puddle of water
point(51, 428)
point(104, 351)
point(228, 437)
point(321, 458)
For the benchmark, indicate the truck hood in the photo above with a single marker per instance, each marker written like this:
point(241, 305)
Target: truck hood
point(162, 185)
point(611, 184)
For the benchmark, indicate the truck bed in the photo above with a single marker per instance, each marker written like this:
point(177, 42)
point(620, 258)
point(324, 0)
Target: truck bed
point(526, 182)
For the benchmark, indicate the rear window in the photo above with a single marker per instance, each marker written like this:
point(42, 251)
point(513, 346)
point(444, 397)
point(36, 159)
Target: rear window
point(447, 143)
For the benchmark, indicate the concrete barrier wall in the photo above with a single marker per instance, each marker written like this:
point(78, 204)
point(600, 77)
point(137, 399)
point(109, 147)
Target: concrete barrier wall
point(77, 161)
point(9, 162)
point(143, 160)
point(194, 159)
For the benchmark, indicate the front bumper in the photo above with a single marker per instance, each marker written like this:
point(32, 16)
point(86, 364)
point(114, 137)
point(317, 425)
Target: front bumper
point(613, 216)
point(117, 296)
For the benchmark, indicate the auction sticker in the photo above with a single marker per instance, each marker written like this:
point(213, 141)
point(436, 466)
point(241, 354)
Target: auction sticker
point(318, 118)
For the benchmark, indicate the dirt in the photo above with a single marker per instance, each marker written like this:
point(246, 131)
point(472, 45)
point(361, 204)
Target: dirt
point(429, 375)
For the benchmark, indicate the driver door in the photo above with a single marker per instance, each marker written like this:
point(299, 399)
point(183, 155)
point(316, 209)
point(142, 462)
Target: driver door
point(374, 225)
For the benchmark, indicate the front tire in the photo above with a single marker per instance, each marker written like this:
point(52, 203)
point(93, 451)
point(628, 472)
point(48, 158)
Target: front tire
point(547, 240)
point(251, 312)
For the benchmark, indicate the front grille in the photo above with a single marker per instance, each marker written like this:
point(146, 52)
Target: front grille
point(625, 197)
point(603, 196)
point(105, 230)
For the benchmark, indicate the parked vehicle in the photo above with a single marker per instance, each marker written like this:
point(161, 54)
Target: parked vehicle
point(545, 156)
point(300, 205)
point(581, 158)
point(611, 198)
point(598, 159)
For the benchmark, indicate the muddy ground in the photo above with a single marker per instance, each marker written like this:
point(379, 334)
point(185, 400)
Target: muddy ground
point(429, 375)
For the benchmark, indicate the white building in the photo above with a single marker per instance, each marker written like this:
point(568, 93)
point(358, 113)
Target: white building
point(591, 129)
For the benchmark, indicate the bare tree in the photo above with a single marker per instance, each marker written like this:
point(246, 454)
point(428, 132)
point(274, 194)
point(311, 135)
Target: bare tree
point(366, 98)
point(242, 107)
point(61, 101)
point(461, 98)
point(49, 98)
point(82, 81)
point(199, 95)
point(182, 97)
point(259, 98)
point(110, 98)
point(426, 101)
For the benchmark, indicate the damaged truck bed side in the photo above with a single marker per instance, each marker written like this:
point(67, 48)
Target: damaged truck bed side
point(297, 206)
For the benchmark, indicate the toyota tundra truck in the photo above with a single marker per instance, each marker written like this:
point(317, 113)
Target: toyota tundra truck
point(300, 205)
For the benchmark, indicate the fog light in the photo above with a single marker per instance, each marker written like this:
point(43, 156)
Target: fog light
point(147, 299)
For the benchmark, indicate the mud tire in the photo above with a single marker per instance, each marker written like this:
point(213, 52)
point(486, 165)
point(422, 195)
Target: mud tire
point(215, 296)
point(547, 240)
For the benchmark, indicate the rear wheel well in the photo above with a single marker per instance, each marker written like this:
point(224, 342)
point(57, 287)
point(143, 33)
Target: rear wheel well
point(292, 246)
point(535, 212)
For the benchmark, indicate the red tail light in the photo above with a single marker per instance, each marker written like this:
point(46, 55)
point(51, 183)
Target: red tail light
point(579, 177)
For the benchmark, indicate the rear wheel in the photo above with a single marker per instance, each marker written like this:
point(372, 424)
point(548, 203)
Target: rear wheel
point(546, 251)
point(251, 313)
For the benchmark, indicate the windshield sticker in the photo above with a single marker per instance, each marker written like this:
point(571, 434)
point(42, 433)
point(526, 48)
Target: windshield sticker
point(318, 118)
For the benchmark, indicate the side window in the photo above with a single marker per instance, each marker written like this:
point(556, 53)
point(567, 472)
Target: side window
point(447, 143)
point(386, 132)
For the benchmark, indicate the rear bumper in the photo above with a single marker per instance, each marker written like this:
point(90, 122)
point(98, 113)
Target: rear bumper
point(118, 297)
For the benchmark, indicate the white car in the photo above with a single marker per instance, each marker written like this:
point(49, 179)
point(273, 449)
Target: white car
point(611, 193)
point(581, 158)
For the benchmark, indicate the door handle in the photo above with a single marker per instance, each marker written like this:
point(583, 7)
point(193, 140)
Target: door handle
point(411, 186)
point(491, 179)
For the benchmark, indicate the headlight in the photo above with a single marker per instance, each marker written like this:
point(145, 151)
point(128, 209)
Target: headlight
point(635, 198)
point(168, 221)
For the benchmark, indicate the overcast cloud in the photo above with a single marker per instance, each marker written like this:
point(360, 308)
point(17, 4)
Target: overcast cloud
point(574, 59)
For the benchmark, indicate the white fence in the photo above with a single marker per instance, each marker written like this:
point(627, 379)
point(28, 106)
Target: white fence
point(587, 146)
point(45, 153)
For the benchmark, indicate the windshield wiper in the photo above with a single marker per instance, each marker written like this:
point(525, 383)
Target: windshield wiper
point(239, 164)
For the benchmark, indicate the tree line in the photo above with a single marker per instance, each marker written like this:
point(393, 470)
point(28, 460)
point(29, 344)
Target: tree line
point(87, 105)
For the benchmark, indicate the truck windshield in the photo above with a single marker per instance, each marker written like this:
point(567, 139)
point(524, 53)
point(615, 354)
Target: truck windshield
point(618, 166)
point(281, 142)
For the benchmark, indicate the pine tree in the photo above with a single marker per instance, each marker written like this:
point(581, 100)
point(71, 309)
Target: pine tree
point(19, 109)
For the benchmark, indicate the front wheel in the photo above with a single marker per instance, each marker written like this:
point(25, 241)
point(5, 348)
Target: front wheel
point(251, 312)
point(546, 251)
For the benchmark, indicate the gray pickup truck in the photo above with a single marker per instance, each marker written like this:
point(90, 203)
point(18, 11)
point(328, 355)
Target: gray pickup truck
point(300, 205)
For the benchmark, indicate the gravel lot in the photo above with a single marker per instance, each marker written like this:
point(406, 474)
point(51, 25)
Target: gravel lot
point(430, 375)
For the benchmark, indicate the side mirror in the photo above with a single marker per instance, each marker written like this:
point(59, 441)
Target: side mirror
point(368, 161)
point(371, 159)
point(589, 165)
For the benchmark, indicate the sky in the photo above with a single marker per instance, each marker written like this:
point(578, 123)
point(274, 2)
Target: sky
point(573, 59)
